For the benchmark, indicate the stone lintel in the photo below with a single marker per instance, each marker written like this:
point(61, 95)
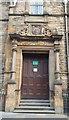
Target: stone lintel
point(57, 82)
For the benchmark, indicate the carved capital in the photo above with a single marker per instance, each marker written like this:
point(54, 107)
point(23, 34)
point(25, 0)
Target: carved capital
point(56, 46)
point(56, 49)
point(14, 45)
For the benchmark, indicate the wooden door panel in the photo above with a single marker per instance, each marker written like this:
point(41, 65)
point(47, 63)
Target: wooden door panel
point(35, 84)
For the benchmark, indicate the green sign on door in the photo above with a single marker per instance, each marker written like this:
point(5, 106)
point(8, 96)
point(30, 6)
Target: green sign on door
point(35, 62)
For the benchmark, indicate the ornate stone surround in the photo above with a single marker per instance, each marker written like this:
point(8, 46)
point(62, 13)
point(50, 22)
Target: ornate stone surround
point(41, 37)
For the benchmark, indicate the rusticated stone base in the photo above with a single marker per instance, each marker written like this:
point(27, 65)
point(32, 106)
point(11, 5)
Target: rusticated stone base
point(10, 98)
point(58, 100)
point(58, 105)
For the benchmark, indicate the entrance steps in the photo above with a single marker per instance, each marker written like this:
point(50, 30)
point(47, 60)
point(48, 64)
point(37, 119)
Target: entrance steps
point(34, 106)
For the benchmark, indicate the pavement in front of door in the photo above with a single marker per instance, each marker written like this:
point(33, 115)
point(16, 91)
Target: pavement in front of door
point(20, 116)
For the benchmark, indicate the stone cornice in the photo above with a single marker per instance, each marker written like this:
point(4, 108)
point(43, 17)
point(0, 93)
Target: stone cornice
point(30, 38)
point(35, 38)
point(23, 14)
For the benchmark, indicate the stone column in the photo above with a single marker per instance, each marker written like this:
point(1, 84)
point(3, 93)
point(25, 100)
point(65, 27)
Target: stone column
point(10, 97)
point(57, 83)
point(57, 68)
point(14, 51)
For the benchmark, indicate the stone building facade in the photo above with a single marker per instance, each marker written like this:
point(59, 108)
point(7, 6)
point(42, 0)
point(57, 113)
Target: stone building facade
point(25, 34)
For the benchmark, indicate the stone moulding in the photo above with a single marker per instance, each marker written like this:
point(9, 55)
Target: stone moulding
point(51, 38)
point(35, 43)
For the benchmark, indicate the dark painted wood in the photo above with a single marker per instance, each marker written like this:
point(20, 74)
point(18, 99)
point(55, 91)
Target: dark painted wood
point(35, 84)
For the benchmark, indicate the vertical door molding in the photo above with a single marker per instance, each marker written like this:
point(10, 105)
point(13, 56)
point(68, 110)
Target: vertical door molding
point(19, 76)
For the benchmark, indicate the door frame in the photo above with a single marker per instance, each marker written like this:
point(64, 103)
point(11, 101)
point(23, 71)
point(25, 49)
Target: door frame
point(50, 50)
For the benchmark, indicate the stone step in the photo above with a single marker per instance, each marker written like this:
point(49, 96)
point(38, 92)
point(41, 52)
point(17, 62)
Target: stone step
point(34, 100)
point(34, 104)
point(33, 108)
point(35, 111)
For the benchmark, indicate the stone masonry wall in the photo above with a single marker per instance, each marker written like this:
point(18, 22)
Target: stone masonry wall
point(53, 18)
point(3, 40)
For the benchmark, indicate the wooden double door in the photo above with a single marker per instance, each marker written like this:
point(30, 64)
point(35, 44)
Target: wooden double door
point(35, 76)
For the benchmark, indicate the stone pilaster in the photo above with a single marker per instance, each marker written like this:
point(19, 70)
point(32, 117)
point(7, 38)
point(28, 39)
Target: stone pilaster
point(57, 83)
point(10, 98)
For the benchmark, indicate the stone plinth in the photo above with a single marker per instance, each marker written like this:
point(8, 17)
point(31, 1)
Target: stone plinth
point(10, 98)
point(58, 100)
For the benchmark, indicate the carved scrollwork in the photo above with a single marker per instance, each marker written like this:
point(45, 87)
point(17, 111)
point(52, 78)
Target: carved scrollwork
point(42, 30)
point(46, 31)
point(24, 31)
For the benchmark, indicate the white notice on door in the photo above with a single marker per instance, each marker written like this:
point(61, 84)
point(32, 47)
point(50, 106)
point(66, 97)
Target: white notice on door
point(35, 69)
